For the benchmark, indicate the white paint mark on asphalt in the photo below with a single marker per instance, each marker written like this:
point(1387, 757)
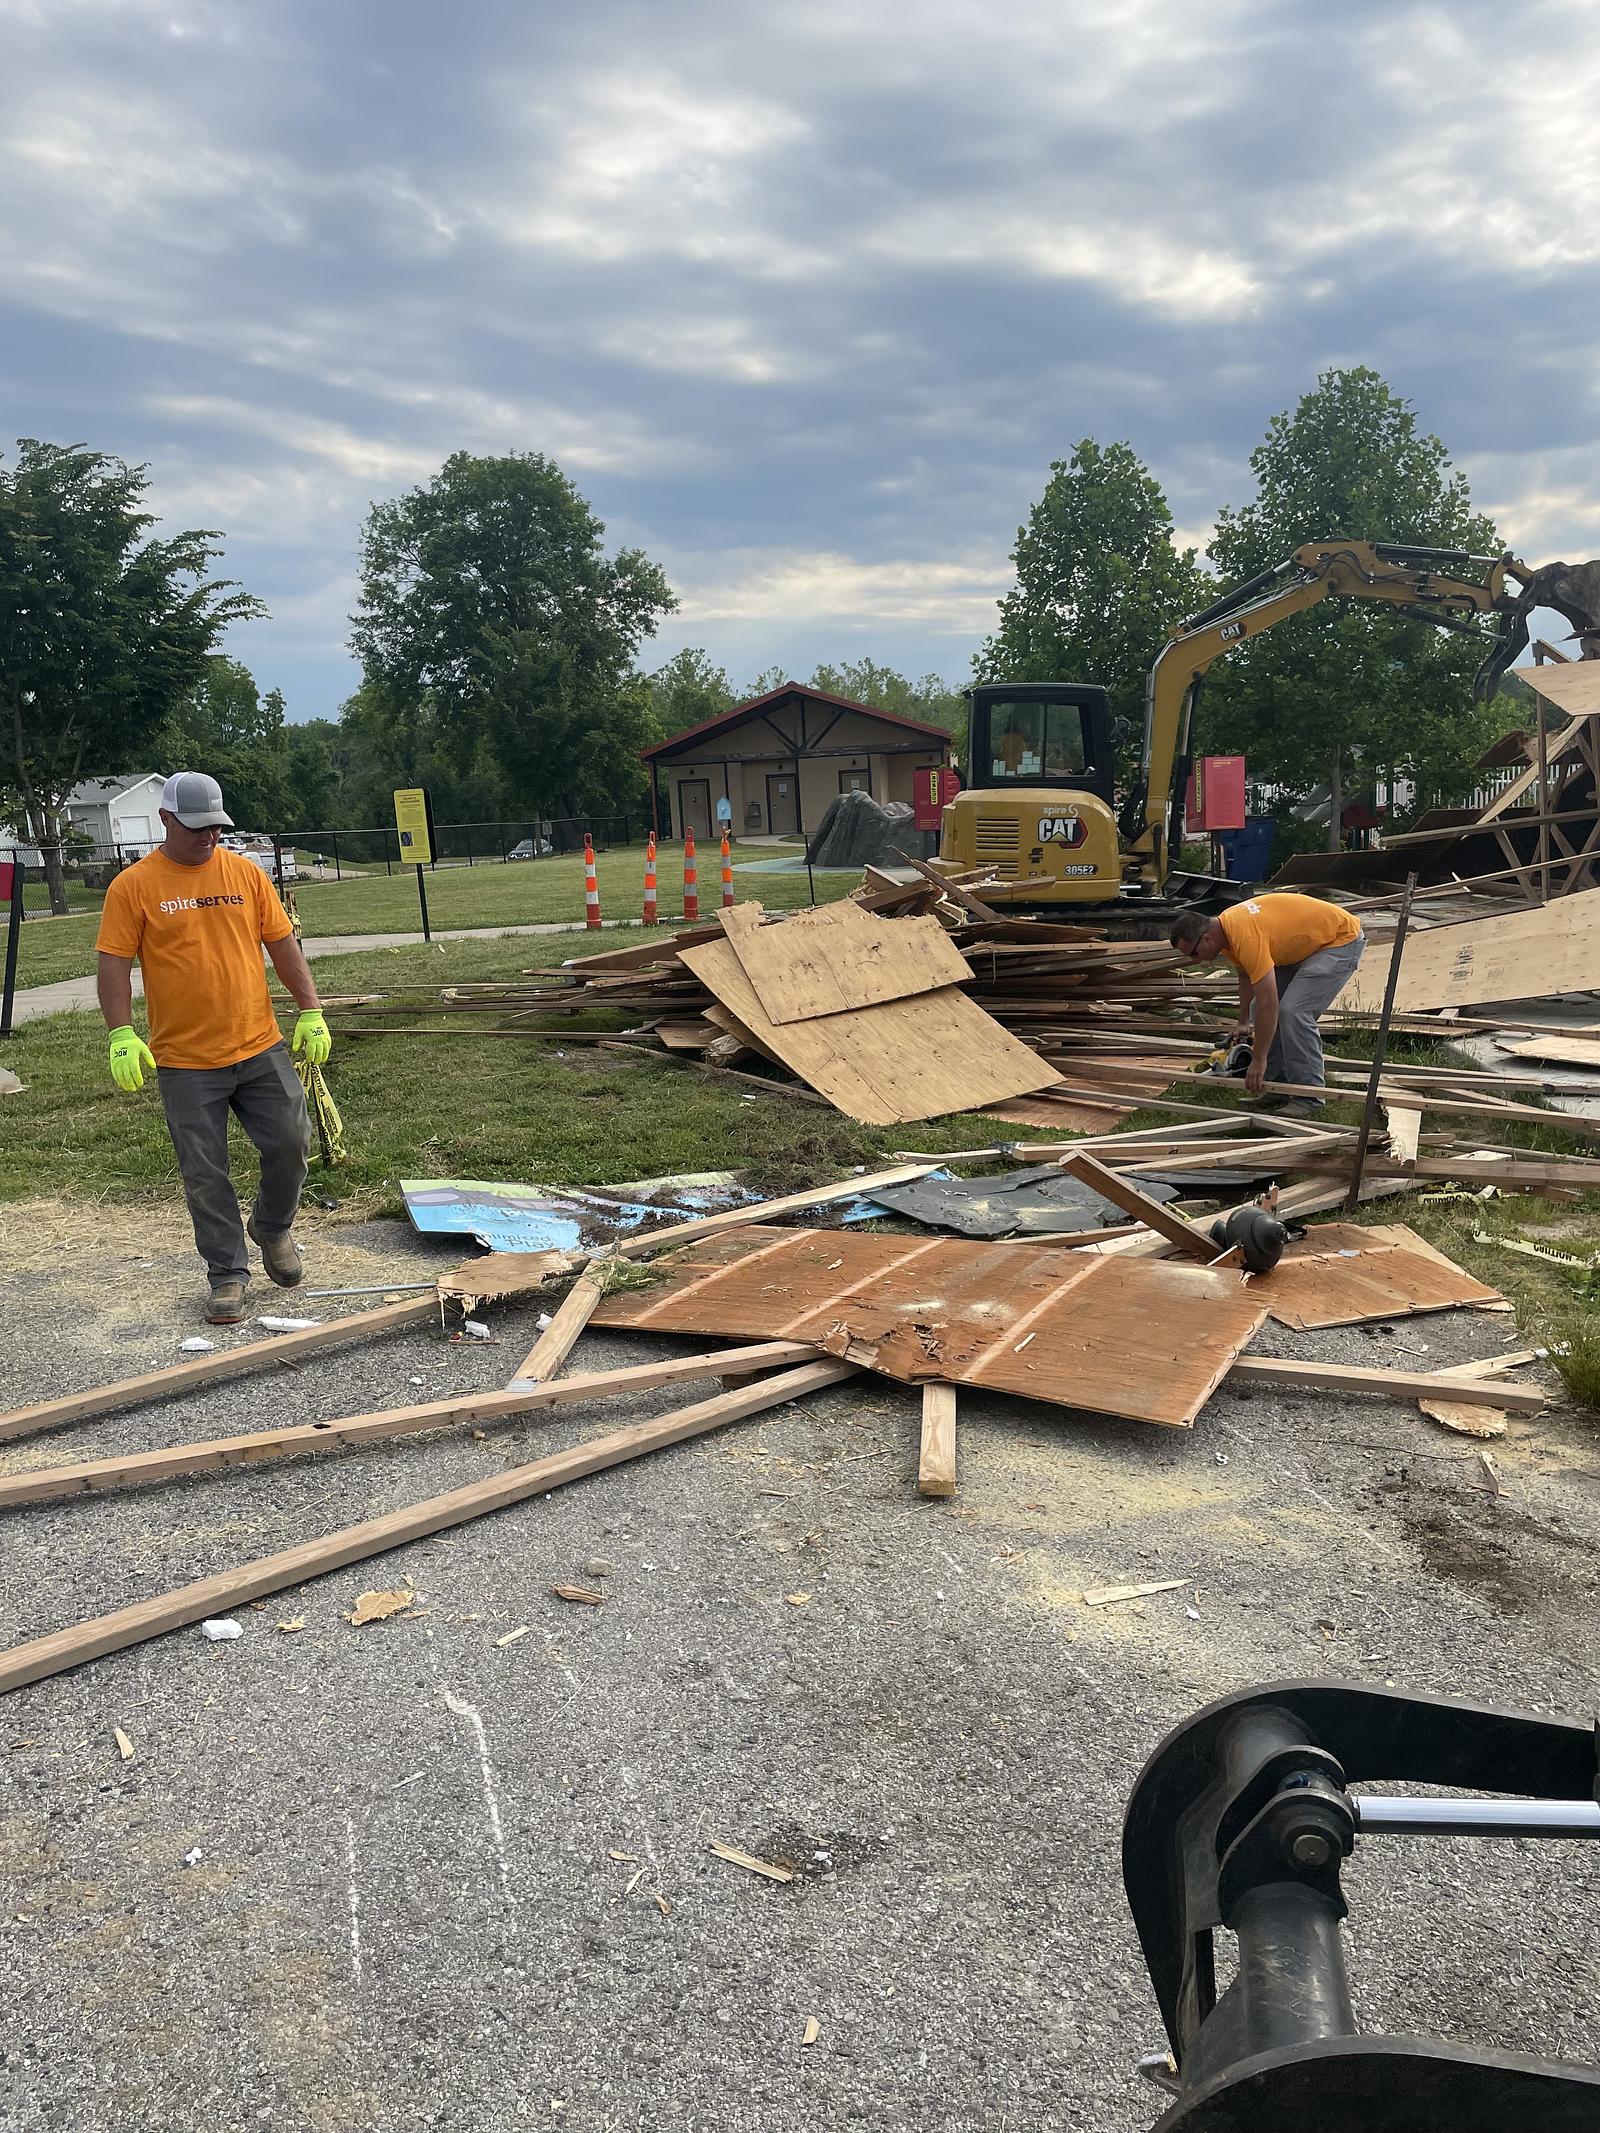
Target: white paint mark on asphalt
point(353, 1893)
point(632, 1784)
point(491, 1797)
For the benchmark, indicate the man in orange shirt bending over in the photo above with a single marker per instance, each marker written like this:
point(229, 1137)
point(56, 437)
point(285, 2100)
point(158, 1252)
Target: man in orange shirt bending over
point(1294, 956)
point(196, 918)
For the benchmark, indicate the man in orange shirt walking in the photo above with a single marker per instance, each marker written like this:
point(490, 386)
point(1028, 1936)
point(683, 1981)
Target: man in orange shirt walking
point(195, 918)
point(1294, 956)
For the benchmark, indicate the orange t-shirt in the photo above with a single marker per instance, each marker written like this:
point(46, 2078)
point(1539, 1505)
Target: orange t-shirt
point(1282, 928)
point(197, 934)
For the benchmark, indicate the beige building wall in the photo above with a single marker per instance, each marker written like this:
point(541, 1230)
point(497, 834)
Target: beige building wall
point(747, 755)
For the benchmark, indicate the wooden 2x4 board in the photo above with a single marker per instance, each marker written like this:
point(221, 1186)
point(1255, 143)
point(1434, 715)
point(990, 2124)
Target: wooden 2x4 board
point(1143, 1339)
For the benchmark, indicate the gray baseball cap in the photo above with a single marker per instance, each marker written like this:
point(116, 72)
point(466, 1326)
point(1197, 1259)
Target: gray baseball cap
point(196, 800)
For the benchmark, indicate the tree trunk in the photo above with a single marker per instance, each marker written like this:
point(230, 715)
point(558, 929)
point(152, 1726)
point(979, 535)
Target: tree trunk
point(1335, 803)
point(44, 828)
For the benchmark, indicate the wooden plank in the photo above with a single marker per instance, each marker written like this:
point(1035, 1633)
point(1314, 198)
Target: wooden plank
point(889, 1064)
point(1404, 1124)
point(1380, 1046)
point(1465, 1170)
point(1580, 1049)
point(936, 1468)
point(1390, 1384)
point(92, 1477)
point(836, 958)
point(950, 885)
point(1525, 954)
point(685, 1036)
point(1122, 1193)
point(545, 1358)
point(1145, 1341)
point(62, 1649)
point(1044, 1111)
point(203, 1370)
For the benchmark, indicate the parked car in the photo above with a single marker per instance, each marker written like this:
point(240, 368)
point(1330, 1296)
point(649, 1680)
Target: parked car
point(531, 848)
point(259, 851)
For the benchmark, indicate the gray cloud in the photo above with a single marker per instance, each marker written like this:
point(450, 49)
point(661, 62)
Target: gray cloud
point(804, 301)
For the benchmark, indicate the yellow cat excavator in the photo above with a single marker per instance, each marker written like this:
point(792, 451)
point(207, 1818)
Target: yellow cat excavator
point(1040, 808)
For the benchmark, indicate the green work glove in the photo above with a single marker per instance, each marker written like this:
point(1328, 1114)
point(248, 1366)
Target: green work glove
point(130, 1055)
point(312, 1036)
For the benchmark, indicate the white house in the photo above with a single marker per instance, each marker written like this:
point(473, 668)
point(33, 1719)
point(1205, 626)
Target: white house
point(118, 812)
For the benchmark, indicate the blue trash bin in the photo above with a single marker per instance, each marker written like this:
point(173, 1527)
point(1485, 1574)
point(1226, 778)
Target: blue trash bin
point(1247, 853)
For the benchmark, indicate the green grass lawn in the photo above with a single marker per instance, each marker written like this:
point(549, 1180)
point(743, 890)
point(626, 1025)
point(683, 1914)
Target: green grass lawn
point(452, 1105)
point(537, 892)
point(544, 892)
point(456, 1104)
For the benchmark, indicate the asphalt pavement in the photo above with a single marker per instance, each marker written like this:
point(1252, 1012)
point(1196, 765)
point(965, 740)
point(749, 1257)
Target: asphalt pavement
point(440, 1878)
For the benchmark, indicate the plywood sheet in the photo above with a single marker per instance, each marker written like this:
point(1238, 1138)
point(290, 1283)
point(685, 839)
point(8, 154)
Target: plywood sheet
point(839, 957)
point(1058, 1113)
point(1345, 1273)
point(1143, 1339)
point(1581, 1049)
point(1575, 687)
point(685, 1036)
point(1524, 955)
point(890, 1064)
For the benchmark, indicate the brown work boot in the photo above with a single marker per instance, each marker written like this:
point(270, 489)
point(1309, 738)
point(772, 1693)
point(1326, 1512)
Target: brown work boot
point(226, 1306)
point(279, 1255)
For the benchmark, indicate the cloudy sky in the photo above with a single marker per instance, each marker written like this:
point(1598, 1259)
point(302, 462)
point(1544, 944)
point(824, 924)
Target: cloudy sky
point(805, 299)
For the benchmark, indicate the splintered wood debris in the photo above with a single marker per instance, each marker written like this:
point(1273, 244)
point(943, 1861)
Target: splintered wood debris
point(767, 1867)
point(1113, 1595)
point(383, 1606)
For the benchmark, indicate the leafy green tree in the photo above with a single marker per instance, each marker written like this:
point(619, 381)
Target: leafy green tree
point(487, 597)
point(388, 740)
point(315, 773)
point(1100, 583)
point(226, 727)
point(1350, 691)
point(687, 691)
point(865, 681)
point(766, 681)
point(104, 629)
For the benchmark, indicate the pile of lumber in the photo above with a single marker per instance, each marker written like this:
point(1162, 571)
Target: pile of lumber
point(1147, 1334)
point(894, 1005)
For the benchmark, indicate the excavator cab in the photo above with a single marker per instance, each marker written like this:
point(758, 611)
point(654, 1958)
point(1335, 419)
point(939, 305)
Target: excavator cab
point(1039, 805)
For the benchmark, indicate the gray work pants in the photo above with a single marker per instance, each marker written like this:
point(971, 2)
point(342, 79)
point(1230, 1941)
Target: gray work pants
point(265, 1095)
point(1304, 990)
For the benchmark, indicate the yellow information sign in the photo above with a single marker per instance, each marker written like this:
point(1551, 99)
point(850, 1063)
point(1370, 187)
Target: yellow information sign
point(413, 818)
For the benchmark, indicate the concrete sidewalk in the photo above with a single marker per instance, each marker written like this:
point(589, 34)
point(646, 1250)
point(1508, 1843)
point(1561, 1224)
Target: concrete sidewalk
point(76, 995)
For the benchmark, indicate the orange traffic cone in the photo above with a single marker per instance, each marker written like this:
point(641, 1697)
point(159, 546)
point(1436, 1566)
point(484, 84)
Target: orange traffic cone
point(727, 872)
point(650, 880)
point(591, 886)
point(691, 880)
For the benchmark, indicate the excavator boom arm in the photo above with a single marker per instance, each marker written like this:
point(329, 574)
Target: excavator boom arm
point(1429, 584)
